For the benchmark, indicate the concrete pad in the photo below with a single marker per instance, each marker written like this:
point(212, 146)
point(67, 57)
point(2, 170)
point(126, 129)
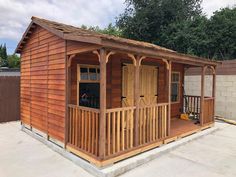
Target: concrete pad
point(211, 155)
point(24, 156)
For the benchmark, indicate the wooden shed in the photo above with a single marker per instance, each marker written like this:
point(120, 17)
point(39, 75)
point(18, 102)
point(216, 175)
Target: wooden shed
point(106, 98)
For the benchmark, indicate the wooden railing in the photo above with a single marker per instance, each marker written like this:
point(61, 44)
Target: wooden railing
point(152, 123)
point(119, 129)
point(152, 126)
point(192, 105)
point(83, 129)
point(208, 115)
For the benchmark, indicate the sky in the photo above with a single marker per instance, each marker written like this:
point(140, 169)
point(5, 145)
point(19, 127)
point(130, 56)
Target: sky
point(15, 14)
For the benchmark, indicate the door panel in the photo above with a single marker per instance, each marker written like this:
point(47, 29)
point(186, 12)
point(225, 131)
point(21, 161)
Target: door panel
point(128, 85)
point(148, 85)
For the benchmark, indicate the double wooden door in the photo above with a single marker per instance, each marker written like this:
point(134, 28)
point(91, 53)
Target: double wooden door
point(148, 85)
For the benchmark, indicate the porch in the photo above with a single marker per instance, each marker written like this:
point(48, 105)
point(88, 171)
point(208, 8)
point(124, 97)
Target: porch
point(106, 129)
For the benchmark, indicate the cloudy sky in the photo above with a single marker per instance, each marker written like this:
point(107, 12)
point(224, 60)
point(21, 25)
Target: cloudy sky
point(15, 14)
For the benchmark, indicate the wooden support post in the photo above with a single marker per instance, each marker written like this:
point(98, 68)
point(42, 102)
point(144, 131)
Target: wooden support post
point(202, 95)
point(68, 97)
point(102, 118)
point(136, 101)
point(214, 91)
point(169, 70)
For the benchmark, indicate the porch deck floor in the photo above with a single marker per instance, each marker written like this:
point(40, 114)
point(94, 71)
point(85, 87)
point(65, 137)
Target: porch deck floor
point(179, 126)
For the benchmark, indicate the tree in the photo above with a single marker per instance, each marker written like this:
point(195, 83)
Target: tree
point(222, 34)
point(110, 29)
point(188, 36)
point(13, 61)
point(145, 19)
point(3, 55)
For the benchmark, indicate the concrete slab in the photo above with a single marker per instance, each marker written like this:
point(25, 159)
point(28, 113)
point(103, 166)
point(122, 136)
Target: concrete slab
point(23, 156)
point(211, 155)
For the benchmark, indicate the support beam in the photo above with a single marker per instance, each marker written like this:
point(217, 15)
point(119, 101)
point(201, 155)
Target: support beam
point(169, 71)
point(136, 101)
point(202, 95)
point(214, 91)
point(102, 122)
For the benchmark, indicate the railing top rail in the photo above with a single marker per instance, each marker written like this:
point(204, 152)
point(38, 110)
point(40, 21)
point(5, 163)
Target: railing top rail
point(192, 96)
point(84, 108)
point(154, 105)
point(120, 109)
point(209, 98)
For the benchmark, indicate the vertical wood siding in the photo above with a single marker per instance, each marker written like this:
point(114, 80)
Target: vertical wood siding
point(43, 83)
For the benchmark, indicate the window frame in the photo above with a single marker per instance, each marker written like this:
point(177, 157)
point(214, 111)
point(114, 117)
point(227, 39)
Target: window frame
point(179, 82)
point(85, 81)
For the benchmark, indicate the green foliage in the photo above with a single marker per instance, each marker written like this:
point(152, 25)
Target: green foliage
point(222, 34)
point(145, 19)
point(13, 61)
point(181, 26)
point(110, 29)
point(3, 55)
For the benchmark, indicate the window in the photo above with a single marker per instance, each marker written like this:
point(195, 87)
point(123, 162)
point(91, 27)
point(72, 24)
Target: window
point(88, 85)
point(88, 73)
point(175, 82)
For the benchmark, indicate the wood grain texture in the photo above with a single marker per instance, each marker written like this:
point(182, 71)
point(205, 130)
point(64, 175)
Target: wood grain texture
point(43, 83)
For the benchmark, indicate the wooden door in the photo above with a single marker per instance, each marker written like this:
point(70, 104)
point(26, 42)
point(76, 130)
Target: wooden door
point(127, 85)
point(148, 85)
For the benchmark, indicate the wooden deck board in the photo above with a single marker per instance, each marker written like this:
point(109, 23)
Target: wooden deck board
point(179, 127)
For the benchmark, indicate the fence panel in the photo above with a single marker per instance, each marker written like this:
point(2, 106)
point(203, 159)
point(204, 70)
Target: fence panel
point(9, 98)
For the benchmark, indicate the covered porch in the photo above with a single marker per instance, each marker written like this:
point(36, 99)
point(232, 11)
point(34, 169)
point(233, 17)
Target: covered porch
point(117, 121)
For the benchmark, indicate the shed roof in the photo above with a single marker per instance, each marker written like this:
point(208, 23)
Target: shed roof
point(69, 32)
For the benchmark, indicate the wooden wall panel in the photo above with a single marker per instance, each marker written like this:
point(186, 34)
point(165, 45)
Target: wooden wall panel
point(43, 83)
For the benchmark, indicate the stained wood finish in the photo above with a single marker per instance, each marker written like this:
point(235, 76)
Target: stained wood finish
point(43, 83)
point(152, 126)
point(84, 128)
point(208, 115)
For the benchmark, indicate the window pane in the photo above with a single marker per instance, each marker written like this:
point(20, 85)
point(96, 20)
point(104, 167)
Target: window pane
point(84, 73)
point(89, 95)
point(174, 92)
point(93, 76)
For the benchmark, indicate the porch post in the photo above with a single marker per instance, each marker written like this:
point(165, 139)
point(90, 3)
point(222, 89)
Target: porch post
point(136, 101)
point(102, 117)
point(169, 96)
point(214, 90)
point(202, 95)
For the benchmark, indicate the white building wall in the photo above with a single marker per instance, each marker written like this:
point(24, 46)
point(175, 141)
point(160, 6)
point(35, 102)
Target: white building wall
point(225, 92)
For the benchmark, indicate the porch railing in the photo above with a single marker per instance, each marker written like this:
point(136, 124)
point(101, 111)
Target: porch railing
point(152, 125)
point(208, 115)
point(192, 105)
point(119, 129)
point(83, 128)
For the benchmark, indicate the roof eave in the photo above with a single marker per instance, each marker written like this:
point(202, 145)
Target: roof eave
point(159, 53)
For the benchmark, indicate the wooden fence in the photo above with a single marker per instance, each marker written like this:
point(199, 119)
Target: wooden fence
point(9, 98)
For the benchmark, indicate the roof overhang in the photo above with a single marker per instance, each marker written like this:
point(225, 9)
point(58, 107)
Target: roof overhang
point(118, 45)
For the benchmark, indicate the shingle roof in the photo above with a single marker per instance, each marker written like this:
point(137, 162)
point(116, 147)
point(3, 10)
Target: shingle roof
point(72, 31)
point(69, 32)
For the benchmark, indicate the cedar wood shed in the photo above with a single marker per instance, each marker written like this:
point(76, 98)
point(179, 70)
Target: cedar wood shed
point(106, 98)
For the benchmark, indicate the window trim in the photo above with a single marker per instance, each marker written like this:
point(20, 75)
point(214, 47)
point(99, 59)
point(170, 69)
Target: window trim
point(179, 82)
point(84, 81)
